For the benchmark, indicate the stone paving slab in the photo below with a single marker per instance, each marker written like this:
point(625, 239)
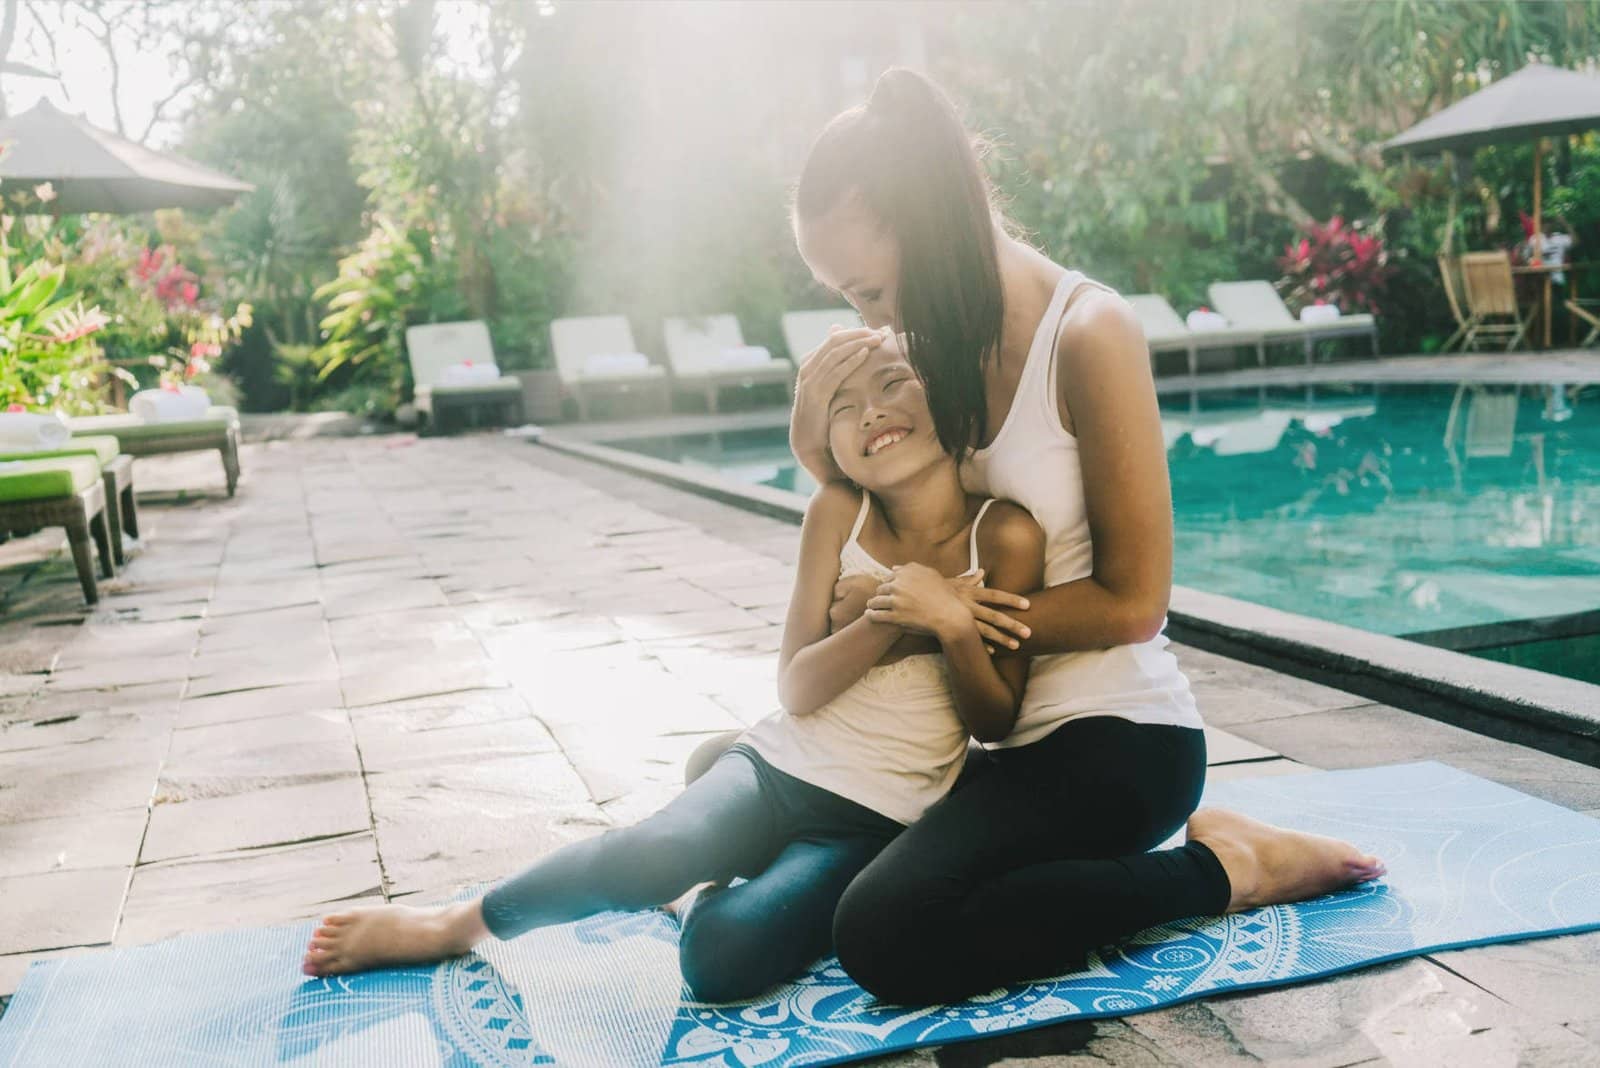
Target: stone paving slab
point(431, 677)
point(249, 888)
point(49, 910)
point(266, 816)
point(107, 839)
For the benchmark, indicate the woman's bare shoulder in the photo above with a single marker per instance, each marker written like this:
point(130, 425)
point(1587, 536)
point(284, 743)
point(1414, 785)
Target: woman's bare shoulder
point(1100, 326)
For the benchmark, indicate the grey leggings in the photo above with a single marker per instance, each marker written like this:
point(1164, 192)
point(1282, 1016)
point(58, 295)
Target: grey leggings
point(798, 845)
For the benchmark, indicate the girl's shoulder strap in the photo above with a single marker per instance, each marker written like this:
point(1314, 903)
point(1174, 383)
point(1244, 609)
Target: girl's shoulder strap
point(861, 517)
point(973, 564)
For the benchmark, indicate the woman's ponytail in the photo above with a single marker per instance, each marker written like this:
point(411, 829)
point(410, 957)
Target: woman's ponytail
point(915, 166)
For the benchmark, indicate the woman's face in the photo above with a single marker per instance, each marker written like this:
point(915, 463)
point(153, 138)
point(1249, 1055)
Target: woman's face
point(850, 252)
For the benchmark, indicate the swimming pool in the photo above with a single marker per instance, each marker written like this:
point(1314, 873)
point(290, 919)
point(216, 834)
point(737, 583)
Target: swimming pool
point(1462, 515)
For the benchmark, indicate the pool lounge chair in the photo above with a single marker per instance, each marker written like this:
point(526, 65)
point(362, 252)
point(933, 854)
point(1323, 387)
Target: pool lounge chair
point(1257, 306)
point(66, 491)
point(595, 355)
point(803, 331)
point(1166, 332)
point(219, 430)
point(454, 374)
point(116, 472)
point(708, 354)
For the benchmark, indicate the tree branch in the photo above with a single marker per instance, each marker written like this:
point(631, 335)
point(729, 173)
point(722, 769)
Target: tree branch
point(8, 34)
point(1363, 157)
point(1278, 200)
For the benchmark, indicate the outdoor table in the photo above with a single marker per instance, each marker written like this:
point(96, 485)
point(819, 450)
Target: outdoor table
point(1549, 270)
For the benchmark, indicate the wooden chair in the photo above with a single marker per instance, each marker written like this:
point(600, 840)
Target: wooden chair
point(1492, 295)
point(1450, 276)
point(1586, 310)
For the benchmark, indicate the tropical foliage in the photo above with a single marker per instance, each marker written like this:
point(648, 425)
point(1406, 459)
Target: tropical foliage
point(417, 160)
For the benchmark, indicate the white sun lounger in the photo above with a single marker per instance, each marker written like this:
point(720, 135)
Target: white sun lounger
point(453, 369)
point(1167, 333)
point(803, 331)
point(596, 354)
point(1257, 306)
point(709, 354)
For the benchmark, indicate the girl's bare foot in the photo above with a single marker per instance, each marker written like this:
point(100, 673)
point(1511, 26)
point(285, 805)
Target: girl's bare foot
point(1269, 865)
point(386, 935)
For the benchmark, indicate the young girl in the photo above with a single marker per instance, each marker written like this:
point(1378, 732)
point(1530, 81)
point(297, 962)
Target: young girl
point(873, 730)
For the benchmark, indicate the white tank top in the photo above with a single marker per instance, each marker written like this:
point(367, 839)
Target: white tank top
point(1034, 462)
point(893, 741)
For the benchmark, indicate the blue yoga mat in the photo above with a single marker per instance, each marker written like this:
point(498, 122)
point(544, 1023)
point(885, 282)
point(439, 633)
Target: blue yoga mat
point(1470, 862)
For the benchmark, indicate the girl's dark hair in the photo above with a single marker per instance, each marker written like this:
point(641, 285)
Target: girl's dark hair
point(912, 161)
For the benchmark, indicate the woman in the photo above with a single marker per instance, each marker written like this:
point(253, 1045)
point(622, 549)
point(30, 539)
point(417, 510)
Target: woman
point(1040, 379)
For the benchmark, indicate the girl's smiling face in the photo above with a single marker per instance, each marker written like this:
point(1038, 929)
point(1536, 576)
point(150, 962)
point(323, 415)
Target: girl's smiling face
point(879, 427)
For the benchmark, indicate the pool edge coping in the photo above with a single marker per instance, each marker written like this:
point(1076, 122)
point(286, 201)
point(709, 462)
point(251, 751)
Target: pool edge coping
point(1552, 713)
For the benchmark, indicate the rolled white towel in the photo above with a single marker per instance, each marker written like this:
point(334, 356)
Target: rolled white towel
point(170, 405)
point(20, 431)
point(602, 364)
point(1206, 319)
point(469, 373)
point(1319, 313)
point(738, 356)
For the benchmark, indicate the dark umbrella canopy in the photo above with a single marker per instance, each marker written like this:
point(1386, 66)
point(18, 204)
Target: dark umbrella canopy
point(91, 169)
point(1536, 101)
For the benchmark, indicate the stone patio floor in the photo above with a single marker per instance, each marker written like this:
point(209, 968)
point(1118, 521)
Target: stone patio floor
point(391, 666)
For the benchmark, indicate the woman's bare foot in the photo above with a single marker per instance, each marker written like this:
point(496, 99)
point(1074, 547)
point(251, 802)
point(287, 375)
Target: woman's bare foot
point(386, 935)
point(1269, 865)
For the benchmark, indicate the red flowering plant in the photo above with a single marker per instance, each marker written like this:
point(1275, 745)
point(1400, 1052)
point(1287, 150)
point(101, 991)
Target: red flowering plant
point(160, 315)
point(194, 331)
point(1334, 264)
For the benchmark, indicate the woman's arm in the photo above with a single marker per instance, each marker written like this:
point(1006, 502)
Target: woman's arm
point(814, 666)
point(1103, 366)
point(1011, 545)
point(987, 690)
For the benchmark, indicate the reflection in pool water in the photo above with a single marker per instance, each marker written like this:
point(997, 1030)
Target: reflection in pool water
point(1437, 511)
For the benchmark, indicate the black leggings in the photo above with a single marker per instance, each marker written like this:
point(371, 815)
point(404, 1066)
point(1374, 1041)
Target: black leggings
point(1037, 858)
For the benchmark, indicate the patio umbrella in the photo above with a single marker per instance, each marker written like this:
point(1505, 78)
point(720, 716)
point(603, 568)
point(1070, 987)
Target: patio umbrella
point(1537, 101)
point(92, 169)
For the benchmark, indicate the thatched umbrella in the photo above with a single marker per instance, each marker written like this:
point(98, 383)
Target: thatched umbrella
point(1536, 102)
point(91, 169)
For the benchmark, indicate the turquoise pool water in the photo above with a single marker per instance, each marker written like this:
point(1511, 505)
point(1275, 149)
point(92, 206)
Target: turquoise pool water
point(1454, 514)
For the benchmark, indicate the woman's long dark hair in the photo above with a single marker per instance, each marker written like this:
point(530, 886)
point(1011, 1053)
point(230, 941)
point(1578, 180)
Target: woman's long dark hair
point(915, 166)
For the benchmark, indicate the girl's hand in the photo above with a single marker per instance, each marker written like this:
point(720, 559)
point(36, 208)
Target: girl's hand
point(920, 600)
point(850, 596)
point(996, 627)
point(817, 381)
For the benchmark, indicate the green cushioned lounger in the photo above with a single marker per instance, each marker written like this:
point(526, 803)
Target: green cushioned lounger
point(218, 430)
point(116, 469)
point(64, 491)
